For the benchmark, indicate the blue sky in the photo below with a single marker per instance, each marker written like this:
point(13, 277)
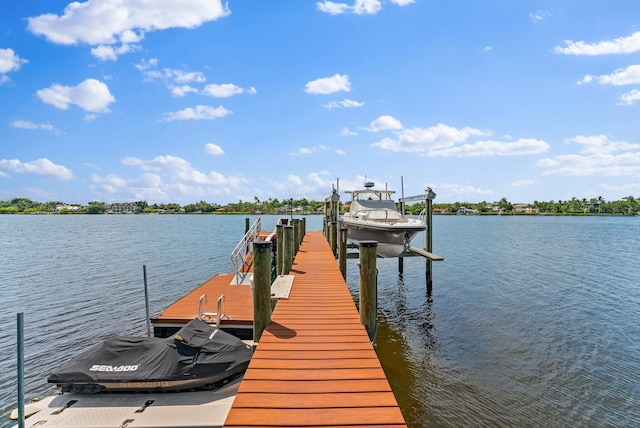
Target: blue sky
point(189, 100)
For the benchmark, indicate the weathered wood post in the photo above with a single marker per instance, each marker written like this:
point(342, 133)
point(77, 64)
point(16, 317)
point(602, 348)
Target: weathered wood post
point(247, 224)
point(303, 225)
point(261, 287)
point(333, 241)
point(296, 236)
point(342, 251)
point(368, 287)
point(400, 265)
point(428, 237)
point(279, 247)
point(287, 250)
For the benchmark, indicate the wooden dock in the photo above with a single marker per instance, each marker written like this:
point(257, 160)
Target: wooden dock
point(315, 365)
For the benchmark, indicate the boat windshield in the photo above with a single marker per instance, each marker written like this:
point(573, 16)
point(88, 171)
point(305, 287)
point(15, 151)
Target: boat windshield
point(371, 195)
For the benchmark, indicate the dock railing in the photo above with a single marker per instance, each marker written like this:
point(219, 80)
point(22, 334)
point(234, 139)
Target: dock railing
point(240, 255)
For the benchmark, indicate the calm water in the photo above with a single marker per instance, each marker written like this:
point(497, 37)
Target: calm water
point(532, 322)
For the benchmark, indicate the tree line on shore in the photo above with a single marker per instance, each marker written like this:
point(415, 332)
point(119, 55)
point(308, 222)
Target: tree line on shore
point(628, 205)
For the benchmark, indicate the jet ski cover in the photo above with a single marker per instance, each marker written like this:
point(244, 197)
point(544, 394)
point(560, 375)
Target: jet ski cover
point(197, 355)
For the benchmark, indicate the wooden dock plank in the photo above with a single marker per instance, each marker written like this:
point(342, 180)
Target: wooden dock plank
point(316, 400)
point(316, 386)
point(287, 417)
point(315, 365)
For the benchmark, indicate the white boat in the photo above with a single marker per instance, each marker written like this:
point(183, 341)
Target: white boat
point(373, 216)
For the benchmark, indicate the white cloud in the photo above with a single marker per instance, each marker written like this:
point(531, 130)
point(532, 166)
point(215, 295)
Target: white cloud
point(309, 150)
point(116, 23)
point(171, 75)
point(444, 140)
point(42, 166)
point(171, 179)
point(487, 49)
point(630, 97)
point(620, 77)
point(346, 103)
point(145, 65)
point(385, 123)
point(596, 158)
point(359, 7)
point(621, 45)
point(27, 124)
point(596, 144)
point(333, 8)
point(200, 112)
point(523, 146)
point(458, 191)
point(182, 90)
point(110, 53)
point(520, 183)
point(213, 149)
point(340, 152)
point(9, 61)
point(329, 85)
point(90, 95)
point(226, 90)
point(346, 132)
point(539, 15)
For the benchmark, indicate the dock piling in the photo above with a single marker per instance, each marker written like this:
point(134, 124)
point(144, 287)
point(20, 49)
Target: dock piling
point(287, 250)
point(146, 299)
point(261, 287)
point(342, 251)
point(369, 287)
point(428, 238)
point(279, 247)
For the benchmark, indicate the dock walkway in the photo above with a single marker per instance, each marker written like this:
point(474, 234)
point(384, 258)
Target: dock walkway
point(315, 365)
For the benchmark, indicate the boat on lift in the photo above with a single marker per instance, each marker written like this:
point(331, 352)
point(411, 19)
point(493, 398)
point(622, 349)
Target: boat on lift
point(373, 216)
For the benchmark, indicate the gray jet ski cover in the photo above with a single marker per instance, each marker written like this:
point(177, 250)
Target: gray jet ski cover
point(197, 355)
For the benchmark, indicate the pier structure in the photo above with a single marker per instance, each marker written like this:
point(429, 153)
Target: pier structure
point(314, 363)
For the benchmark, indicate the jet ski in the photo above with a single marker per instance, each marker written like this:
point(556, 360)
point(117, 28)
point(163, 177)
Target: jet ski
point(197, 356)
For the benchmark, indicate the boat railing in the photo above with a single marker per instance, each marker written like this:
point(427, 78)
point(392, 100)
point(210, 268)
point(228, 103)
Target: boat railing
point(422, 217)
point(218, 314)
point(240, 255)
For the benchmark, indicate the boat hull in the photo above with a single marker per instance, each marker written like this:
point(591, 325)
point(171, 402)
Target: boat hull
point(393, 239)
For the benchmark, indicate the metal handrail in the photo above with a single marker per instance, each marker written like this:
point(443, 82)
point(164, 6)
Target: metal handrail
point(240, 254)
point(202, 309)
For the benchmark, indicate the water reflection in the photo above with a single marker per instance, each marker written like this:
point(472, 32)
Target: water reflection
point(405, 343)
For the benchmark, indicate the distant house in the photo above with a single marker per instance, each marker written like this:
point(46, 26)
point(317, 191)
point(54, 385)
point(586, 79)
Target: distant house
point(525, 209)
point(467, 211)
point(64, 207)
point(121, 208)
